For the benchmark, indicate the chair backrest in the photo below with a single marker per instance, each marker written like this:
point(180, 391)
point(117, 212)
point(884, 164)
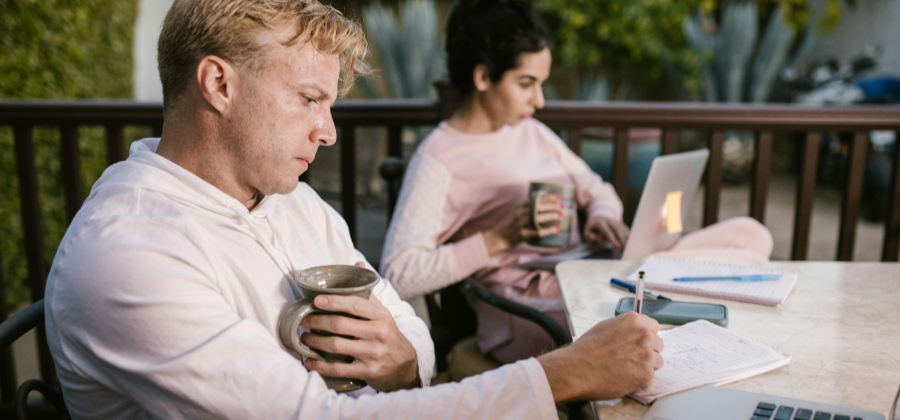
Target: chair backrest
point(10, 331)
point(452, 320)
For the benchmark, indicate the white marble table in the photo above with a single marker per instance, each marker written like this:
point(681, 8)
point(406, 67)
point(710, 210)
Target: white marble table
point(841, 323)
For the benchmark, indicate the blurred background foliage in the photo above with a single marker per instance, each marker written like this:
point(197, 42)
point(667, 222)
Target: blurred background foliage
point(57, 49)
point(611, 46)
point(603, 49)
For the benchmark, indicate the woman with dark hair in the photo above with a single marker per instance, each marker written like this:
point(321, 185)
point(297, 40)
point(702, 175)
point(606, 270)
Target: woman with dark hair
point(462, 210)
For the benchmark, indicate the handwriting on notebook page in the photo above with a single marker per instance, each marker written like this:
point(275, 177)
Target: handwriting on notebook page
point(700, 353)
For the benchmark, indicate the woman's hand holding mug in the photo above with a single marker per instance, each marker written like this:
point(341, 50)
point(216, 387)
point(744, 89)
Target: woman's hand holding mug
point(517, 228)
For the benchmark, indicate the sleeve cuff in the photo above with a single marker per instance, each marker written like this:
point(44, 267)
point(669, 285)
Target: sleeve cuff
point(426, 365)
point(542, 393)
point(469, 256)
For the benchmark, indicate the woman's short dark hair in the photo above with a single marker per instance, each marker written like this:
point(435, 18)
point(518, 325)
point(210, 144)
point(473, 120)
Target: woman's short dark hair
point(493, 33)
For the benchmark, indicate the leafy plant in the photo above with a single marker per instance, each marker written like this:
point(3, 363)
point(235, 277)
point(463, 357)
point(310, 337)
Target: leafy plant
point(56, 49)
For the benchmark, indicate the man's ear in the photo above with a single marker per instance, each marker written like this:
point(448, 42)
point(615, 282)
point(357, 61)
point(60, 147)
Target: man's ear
point(216, 79)
point(481, 78)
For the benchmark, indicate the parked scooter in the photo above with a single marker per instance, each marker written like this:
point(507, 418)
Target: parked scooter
point(830, 83)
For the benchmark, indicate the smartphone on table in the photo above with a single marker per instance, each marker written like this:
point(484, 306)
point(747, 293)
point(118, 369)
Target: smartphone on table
point(676, 313)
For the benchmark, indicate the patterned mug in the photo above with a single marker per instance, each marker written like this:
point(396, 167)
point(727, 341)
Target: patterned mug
point(560, 239)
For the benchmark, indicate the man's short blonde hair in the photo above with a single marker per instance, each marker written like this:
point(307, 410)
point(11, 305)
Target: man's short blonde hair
point(229, 29)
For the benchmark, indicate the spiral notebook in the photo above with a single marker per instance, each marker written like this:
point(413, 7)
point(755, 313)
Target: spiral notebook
point(659, 272)
point(701, 353)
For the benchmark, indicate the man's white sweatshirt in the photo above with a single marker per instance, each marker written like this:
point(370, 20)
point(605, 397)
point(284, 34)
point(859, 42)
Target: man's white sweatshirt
point(164, 296)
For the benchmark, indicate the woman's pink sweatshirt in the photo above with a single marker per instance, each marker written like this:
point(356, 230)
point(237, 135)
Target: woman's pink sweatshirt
point(459, 185)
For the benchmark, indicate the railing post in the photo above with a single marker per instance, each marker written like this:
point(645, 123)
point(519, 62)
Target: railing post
point(575, 140)
point(890, 250)
point(805, 195)
point(395, 149)
point(115, 143)
point(395, 141)
point(713, 178)
point(448, 98)
point(348, 178)
point(33, 233)
point(620, 164)
point(71, 170)
point(7, 367)
point(669, 142)
point(156, 129)
point(852, 196)
point(762, 168)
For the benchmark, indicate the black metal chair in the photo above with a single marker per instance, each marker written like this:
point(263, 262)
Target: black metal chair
point(452, 319)
point(10, 331)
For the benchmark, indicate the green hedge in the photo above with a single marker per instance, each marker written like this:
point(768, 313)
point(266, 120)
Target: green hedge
point(56, 49)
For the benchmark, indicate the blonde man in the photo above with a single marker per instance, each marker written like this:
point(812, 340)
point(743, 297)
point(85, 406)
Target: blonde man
point(164, 296)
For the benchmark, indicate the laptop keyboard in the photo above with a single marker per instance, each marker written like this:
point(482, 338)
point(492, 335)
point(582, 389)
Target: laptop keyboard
point(768, 411)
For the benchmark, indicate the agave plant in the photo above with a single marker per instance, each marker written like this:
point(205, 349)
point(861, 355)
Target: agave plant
point(736, 65)
point(408, 50)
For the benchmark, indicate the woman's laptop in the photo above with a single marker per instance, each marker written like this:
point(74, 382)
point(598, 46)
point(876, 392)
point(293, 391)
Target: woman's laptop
point(677, 173)
point(657, 222)
point(714, 403)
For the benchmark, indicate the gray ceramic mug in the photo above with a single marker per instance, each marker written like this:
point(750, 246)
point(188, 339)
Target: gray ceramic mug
point(345, 280)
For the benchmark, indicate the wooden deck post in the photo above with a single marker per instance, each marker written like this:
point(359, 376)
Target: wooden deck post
point(759, 183)
point(620, 163)
point(805, 195)
point(33, 233)
point(713, 178)
point(7, 367)
point(890, 250)
point(348, 178)
point(71, 170)
point(852, 196)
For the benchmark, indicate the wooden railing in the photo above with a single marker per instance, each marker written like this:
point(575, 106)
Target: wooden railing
point(573, 117)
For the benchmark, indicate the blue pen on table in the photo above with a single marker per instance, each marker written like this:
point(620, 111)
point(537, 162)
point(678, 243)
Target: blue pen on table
point(631, 288)
point(745, 278)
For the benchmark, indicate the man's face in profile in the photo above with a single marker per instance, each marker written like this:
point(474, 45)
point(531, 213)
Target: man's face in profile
point(282, 113)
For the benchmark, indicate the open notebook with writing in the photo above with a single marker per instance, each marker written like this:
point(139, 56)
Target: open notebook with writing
point(701, 353)
point(659, 272)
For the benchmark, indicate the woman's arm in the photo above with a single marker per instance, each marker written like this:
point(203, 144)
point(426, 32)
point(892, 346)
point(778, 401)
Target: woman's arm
point(413, 259)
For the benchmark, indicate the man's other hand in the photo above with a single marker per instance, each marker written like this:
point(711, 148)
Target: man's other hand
point(383, 357)
point(613, 359)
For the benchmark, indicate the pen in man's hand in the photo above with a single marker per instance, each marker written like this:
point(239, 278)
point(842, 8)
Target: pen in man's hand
point(639, 293)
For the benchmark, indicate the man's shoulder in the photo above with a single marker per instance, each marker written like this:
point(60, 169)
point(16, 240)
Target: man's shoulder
point(121, 202)
point(118, 216)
